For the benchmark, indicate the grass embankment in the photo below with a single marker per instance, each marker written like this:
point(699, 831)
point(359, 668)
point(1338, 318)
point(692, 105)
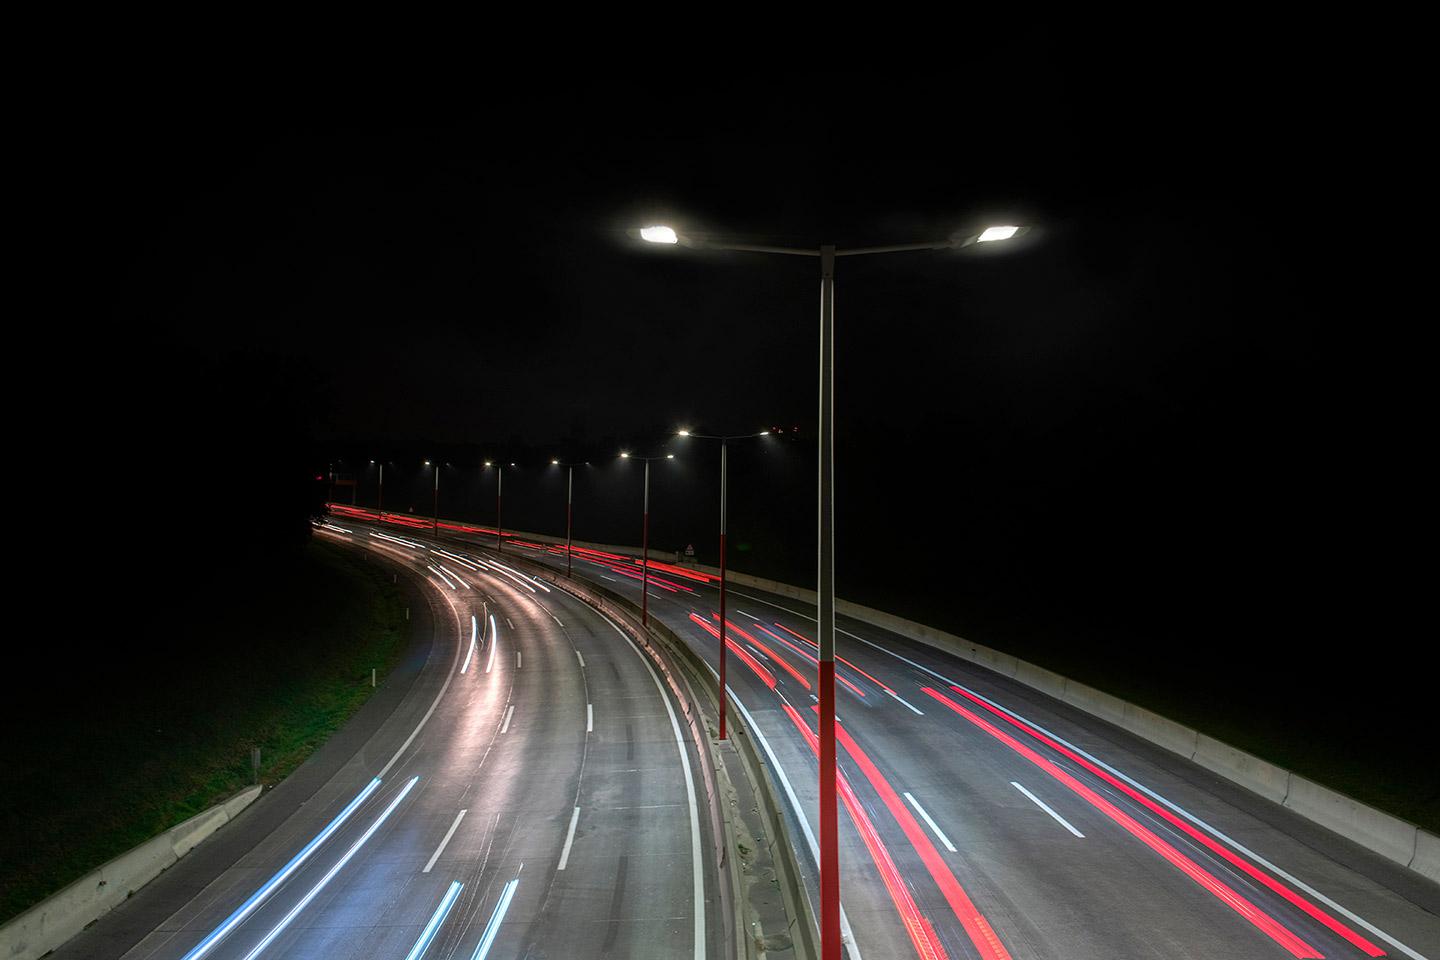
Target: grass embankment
point(276, 656)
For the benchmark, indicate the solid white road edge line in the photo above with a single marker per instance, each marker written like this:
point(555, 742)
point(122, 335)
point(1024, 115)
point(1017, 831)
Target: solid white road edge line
point(423, 720)
point(1046, 807)
point(847, 935)
point(697, 879)
point(933, 825)
point(441, 849)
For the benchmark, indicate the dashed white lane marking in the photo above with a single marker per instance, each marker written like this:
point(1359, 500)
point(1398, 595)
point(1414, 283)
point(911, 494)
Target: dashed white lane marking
point(509, 712)
point(581, 659)
point(1046, 807)
point(569, 839)
point(589, 718)
point(933, 825)
point(441, 849)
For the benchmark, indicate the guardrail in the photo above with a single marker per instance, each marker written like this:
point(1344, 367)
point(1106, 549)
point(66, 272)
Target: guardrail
point(60, 916)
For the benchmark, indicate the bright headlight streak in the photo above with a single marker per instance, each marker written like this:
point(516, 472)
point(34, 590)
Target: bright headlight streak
point(330, 875)
point(493, 927)
point(506, 575)
point(474, 628)
point(441, 912)
point(331, 526)
point(455, 575)
point(464, 562)
point(524, 576)
point(494, 636)
point(258, 897)
point(441, 576)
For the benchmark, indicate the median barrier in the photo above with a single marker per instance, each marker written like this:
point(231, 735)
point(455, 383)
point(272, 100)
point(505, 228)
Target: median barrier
point(666, 647)
point(1388, 836)
point(62, 915)
point(1237, 766)
point(1427, 855)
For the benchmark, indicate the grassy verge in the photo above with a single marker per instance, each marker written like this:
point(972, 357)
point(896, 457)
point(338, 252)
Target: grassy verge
point(277, 657)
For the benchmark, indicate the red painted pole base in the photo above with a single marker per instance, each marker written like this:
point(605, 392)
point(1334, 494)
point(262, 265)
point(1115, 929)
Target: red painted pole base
point(829, 845)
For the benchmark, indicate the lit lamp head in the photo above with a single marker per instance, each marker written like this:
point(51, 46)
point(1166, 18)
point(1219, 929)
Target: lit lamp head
point(991, 234)
point(658, 234)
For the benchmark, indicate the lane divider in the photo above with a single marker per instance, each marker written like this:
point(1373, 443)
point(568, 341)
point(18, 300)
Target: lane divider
point(487, 939)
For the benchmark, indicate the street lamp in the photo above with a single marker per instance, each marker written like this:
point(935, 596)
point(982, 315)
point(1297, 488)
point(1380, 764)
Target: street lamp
point(499, 489)
point(645, 536)
point(569, 501)
point(825, 586)
point(724, 445)
point(380, 496)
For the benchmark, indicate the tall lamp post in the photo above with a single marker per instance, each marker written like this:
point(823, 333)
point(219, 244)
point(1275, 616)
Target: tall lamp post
point(830, 946)
point(435, 504)
point(724, 445)
point(645, 537)
point(380, 496)
point(569, 505)
point(499, 490)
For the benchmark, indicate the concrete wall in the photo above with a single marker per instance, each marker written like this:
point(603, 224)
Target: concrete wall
point(50, 923)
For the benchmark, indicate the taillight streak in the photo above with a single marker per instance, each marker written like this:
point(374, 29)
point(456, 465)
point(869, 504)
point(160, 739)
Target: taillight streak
point(765, 676)
point(916, 924)
point(784, 665)
point(807, 656)
point(1259, 918)
point(1195, 834)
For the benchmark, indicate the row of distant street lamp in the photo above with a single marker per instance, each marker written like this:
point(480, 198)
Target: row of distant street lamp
point(665, 235)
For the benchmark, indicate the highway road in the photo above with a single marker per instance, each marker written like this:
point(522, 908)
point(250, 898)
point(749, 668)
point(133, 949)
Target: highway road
point(983, 819)
point(531, 794)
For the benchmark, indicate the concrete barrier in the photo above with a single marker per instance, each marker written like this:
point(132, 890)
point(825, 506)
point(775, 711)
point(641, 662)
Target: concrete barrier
point(1103, 705)
point(1237, 766)
point(59, 917)
point(1162, 730)
point(1388, 836)
point(1427, 855)
point(1046, 681)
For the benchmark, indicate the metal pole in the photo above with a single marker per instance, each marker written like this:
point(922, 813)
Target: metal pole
point(569, 513)
point(435, 521)
point(499, 488)
point(645, 554)
point(825, 627)
point(380, 497)
point(723, 446)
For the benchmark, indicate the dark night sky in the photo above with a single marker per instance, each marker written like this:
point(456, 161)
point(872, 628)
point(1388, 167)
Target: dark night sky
point(1169, 421)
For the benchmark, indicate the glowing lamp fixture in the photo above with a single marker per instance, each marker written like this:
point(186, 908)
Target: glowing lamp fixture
point(683, 433)
point(669, 456)
point(555, 462)
point(997, 233)
point(624, 455)
point(658, 234)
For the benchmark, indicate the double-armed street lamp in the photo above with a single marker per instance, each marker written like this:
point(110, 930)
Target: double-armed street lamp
point(830, 946)
point(645, 536)
point(724, 445)
point(569, 503)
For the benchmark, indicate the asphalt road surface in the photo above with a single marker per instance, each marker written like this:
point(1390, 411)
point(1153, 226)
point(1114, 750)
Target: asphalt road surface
point(525, 793)
point(983, 819)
